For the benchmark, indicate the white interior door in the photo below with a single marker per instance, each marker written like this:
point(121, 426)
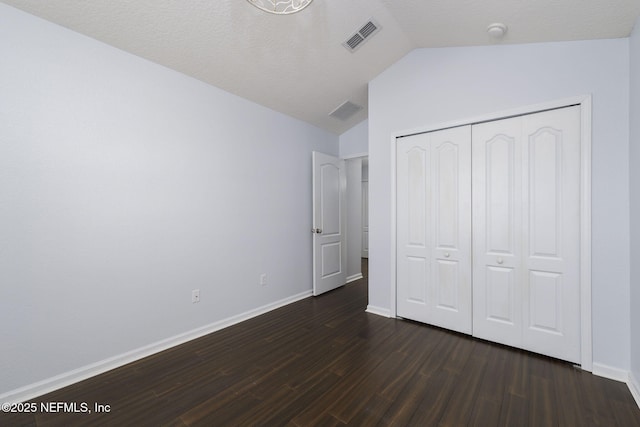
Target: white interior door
point(329, 223)
point(365, 219)
point(526, 222)
point(434, 228)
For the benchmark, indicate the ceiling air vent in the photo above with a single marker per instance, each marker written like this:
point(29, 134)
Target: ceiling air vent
point(345, 111)
point(356, 39)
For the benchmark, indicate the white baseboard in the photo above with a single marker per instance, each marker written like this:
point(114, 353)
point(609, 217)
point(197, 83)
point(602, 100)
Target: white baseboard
point(354, 278)
point(619, 375)
point(378, 310)
point(610, 372)
point(634, 387)
point(34, 390)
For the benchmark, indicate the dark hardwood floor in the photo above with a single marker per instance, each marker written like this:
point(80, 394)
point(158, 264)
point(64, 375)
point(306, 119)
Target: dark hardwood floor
point(324, 361)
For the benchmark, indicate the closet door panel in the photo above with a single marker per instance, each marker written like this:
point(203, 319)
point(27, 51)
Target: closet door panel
point(551, 233)
point(414, 243)
point(451, 172)
point(526, 225)
point(434, 226)
point(497, 201)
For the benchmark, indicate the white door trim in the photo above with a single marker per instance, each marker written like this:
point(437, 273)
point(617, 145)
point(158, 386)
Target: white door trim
point(364, 211)
point(585, 203)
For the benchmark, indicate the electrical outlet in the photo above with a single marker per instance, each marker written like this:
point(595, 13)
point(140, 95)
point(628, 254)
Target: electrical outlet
point(263, 279)
point(195, 296)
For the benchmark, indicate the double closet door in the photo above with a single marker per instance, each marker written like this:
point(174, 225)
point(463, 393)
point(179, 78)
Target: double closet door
point(488, 230)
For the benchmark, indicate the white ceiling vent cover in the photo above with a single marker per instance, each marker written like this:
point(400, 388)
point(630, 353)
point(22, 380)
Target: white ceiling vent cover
point(357, 38)
point(345, 111)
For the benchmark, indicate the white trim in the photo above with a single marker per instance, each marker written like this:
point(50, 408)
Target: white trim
point(393, 311)
point(610, 372)
point(634, 388)
point(355, 156)
point(586, 345)
point(378, 311)
point(512, 112)
point(54, 383)
point(354, 277)
point(586, 342)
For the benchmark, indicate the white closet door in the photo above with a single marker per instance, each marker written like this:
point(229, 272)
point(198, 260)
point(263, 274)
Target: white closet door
point(497, 241)
point(434, 228)
point(526, 188)
point(551, 233)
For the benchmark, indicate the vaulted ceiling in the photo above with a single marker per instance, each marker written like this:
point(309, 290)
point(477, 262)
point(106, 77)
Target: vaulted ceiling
point(296, 64)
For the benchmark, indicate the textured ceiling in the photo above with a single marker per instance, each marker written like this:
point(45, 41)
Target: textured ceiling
point(296, 64)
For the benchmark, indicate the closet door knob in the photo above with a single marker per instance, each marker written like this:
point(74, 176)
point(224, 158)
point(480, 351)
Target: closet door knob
point(500, 260)
point(447, 254)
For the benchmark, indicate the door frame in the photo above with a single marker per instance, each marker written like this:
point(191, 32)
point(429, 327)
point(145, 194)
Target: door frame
point(363, 210)
point(585, 103)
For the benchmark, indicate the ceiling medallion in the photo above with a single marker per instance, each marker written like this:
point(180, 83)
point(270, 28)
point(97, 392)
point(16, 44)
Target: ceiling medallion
point(281, 7)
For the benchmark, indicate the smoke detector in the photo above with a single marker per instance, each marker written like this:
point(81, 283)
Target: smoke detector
point(497, 30)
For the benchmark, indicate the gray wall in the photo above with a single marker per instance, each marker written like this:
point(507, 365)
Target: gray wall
point(634, 167)
point(355, 141)
point(125, 185)
point(433, 86)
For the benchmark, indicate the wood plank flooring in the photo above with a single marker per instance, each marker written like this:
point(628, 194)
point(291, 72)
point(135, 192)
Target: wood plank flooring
point(325, 362)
